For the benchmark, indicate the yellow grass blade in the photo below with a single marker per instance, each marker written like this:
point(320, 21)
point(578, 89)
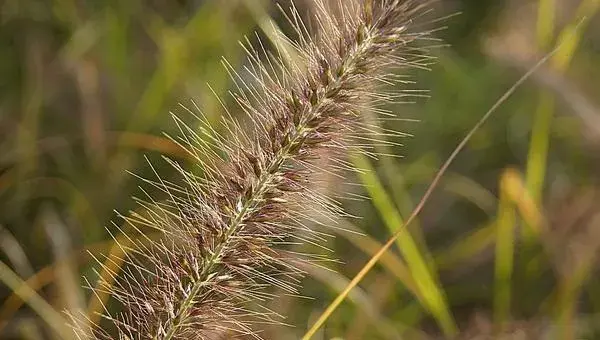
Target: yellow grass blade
point(52, 317)
point(392, 263)
point(429, 289)
point(505, 244)
point(545, 22)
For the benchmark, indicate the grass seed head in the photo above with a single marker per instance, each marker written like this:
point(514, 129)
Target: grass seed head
point(223, 230)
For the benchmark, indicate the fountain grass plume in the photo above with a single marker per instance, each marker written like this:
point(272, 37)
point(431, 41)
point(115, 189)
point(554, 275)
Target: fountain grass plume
point(225, 229)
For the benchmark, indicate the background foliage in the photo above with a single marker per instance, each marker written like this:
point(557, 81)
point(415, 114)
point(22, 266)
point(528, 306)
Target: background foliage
point(507, 245)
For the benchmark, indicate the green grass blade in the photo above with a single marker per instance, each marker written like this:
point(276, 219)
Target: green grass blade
point(540, 136)
point(431, 292)
point(505, 244)
point(467, 247)
point(545, 22)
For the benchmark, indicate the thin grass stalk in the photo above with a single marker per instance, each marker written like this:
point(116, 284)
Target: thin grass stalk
point(423, 271)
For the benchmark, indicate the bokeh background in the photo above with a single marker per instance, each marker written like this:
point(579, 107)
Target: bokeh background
point(509, 241)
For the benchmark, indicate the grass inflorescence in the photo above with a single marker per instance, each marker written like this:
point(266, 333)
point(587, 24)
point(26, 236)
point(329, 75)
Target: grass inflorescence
point(226, 227)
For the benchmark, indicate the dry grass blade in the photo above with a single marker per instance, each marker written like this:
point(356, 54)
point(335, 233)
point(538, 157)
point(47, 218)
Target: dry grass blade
point(36, 302)
point(12, 304)
point(15, 253)
point(423, 273)
point(392, 263)
point(361, 299)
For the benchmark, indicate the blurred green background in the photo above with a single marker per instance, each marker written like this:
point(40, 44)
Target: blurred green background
point(507, 246)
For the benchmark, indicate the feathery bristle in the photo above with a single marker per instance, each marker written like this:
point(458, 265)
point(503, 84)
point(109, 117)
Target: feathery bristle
point(224, 230)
